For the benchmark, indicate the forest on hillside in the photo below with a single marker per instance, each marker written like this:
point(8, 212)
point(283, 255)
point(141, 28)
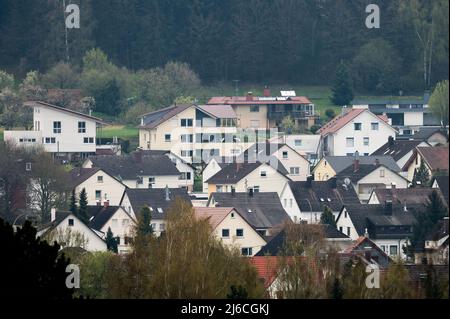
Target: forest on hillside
point(255, 41)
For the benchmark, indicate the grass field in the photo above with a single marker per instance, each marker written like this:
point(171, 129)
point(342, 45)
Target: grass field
point(121, 131)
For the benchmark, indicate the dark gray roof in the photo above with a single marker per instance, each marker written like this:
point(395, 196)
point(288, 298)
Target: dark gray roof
point(261, 211)
point(339, 163)
point(155, 199)
point(79, 175)
point(59, 217)
point(397, 149)
point(365, 216)
point(233, 173)
point(275, 246)
point(418, 195)
point(322, 194)
point(439, 231)
point(442, 181)
point(360, 173)
point(152, 120)
point(426, 132)
point(100, 215)
point(132, 166)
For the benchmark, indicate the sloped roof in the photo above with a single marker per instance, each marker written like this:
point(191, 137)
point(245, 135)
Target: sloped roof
point(155, 199)
point(418, 195)
point(100, 215)
point(425, 132)
point(340, 121)
point(439, 231)
point(79, 175)
point(443, 181)
point(242, 100)
point(360, 173)
point(215, 215)
point(339, 163)
point(218, 111)
point(263, 152)
point(130, 166)
point(436, 157)
point(322, 194)
point(262, 210)
point(397, 149)
point(267, 268)
point(154, 119)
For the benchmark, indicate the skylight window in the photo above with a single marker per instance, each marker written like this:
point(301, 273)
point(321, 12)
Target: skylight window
point(322, 200)
point(160, 210)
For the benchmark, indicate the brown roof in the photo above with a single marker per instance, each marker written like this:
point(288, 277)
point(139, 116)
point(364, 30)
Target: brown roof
point(340, 121)
point(154, 119)
point(218, 111)
point(215, 215)
point(242, 100)
point(435, 157)
point(410, 196)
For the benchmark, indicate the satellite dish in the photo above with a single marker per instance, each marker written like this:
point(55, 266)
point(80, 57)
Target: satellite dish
point(347, 181)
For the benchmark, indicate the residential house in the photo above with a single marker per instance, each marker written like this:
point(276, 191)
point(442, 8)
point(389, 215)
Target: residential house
point(367, 251)
point(406, 115)
point(402, 151)
point(213, 167)
point(333, 238)
point(62, 132)
point(232, 229)
point(432, 135)
point(268, 111)
point(441, 182)
point(241, 177)
point(139, 171)
point(100, 186)
point(159, 201)
point(330, 166)
point(387, 225)
point(268, 269)
point(104, 217)
point(355, 130)
point(306, 201)
point(435, 249)
point(309, 146)
point(193, 132)
point(408, 196)
point(366, 178)
point(297, 166)
point(434, 158)
point(69, 231)
point(263, 212)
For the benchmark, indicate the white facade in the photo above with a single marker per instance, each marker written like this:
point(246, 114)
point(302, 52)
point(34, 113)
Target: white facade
point(209, 171)
point(297, 165)
point(365, 134)
point(309, 146)
point(102, 187)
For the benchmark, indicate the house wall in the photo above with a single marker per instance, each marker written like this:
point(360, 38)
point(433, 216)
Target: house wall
point(323, 171)
point(184, 168)
point(413, 118)
point(210, 170)
point(246, 119)
point(345, 225)
point(290, 204)
point(386, 244)
point(294, 160)
point(437, 138)
point(121, 225)
point(111, 189)
point(366, 185)
point(69, 141)
point(251, 238)
point(376, 138)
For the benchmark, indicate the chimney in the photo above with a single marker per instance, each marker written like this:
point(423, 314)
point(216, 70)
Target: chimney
point(249, 96)
point(267, 91)
point(391, 141)
point(366, 233)
point(53, 214)
point(333, 182)
point(309, 181)
point(356, 164)
point(233, 191)
point(388, 207)
point(106, 203)
point(167, 193)
point(393, 185)
point(99, 203)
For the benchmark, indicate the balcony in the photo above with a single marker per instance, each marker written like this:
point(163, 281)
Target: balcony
point(296, 115)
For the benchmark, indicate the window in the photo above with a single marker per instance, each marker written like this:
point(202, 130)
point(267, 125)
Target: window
point(256, 189)
point(285, 202)
point(225, 233)
point(71, 222)
point(348, 231)
point(263, 174)
point(99, 179)
point(375, 126)
point(50, 140)
point(291, 203)
point(383, 248)
point(160, 210)
point(57, 127)
point(185, 176)
point(114, 223)
point(232, 215)
point(358, 126)
point(151, 182)
point(254, 108)
point(350, 142)
point(393, 250)
point(125, 222)
point(81, 127)
point(341, 229)
point(239, 232)
point(88, 140)
point(187, 138)
point(98, 195)
point(382, 173)
point(366, 141)
point(187, 122)
point(285, 155)
point(219, 188)
point(295, 170)
point(140, 180)
point(298, 143)
point(28, 167)
point(168, 138)
point(187, 153)
point(247, 251)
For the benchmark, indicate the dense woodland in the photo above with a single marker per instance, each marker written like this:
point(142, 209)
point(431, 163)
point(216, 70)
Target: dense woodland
point(257, 41)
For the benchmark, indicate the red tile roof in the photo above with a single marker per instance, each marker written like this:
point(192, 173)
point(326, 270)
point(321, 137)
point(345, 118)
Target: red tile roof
point(436, 157)
point(267, 268)
point(242, 100)
point(215, 215)
point(340, 121)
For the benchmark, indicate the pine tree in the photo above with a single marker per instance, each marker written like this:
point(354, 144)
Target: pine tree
point(111, 241)
point(342, 88)
point(144, 227)
point(82, 207)
point(422, 175)
point(73, 203)
point(327, 217)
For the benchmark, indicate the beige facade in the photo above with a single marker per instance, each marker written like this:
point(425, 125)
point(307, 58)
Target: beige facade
point(102, 187)
point(323, 171)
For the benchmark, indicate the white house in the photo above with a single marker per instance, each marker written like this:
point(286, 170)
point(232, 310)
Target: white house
point(213, 167)
point(61, 131)
point(356, 130)
point(232, 229)
point(69, 231)
point(309, 146)
point(100, 186)
point(141, 171)
point(106, 217)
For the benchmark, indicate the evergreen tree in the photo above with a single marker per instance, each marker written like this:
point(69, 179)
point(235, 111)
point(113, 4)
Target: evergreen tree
point(82, 207)
point(111, 241)
point(144, 227)
point(237, 293)
point(342, 88)
point(327, 217)
point(421, 175)
point(73, 203)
